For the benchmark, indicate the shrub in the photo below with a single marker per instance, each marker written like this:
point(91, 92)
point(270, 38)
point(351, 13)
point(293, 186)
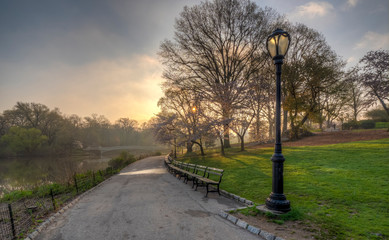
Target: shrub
point(123, 160)
point(367, 124)
point(351, 125)
point(382, 125)
point(16, 195)
point(116, 163)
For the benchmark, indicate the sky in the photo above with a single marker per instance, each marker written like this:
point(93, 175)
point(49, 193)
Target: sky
point(100, 56)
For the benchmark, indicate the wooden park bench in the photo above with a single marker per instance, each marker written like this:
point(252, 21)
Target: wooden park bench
point(198, 174)
point(168, 162)
point(211, 176)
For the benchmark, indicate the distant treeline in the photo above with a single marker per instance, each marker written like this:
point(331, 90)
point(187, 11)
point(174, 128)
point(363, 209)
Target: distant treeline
point(34, 129)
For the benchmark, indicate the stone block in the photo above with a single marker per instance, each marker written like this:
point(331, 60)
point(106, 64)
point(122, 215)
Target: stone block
point(40, 228)
point(223, 214)
point(278, 238)
point(266, 235)
point(254, 230)
point(232, 219)
point(33, 235)
point(242, 224)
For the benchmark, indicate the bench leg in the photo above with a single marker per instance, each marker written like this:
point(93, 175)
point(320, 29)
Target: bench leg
point(218, 191)
point(206, 195)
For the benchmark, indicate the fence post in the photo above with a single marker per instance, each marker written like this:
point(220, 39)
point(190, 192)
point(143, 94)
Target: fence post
point(75, 182)
point(12, 221)
point(52, 198)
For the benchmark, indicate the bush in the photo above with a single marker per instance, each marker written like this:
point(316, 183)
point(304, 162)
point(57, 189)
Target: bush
point(116, 163)
point(367, 124)
point(351, 125)
point(382, 125)
point(123, 160)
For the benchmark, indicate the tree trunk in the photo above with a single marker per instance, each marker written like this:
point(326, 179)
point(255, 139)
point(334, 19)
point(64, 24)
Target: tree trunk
point(189, 147)
point(221, 146)
point(257, 126)
point(227, 136)
point(382, 103)
point(201, 147)
point(271, 133)
point(226, 129)
point(285, 123)
point(241, 143)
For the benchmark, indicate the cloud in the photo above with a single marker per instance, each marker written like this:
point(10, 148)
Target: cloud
point(313, 10)
point(352, 3)
point(373, 41)
point(114, 88)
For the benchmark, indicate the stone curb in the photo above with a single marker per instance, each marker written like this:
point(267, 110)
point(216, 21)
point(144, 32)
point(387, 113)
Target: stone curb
point(236, 198)
point(51, 219)
point(243, 224)
point(246, 226)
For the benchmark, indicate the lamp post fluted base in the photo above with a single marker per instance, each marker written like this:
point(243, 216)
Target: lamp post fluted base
point(277, 202)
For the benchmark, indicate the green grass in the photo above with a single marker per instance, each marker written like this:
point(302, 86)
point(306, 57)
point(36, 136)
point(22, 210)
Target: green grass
point(344, 188)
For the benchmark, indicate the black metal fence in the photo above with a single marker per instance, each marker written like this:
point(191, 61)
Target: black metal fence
point(20, 217)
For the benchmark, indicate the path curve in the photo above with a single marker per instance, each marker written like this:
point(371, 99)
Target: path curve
point(145, 202)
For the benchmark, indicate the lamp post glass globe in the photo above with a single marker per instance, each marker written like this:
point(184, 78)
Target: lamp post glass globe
point(277, 43)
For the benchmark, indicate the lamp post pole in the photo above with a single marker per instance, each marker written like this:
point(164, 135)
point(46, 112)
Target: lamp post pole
point(277, 200)
point(278, 44)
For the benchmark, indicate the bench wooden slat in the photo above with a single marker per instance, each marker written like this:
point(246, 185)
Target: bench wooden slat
point(199, 174)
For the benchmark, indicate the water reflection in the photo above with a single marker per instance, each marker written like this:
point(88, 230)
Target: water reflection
point(19, 173)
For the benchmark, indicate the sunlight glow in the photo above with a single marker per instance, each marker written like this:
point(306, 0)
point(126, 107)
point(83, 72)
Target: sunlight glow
point(145, 172)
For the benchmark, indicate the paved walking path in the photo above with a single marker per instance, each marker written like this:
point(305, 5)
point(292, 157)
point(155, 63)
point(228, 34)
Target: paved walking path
point(146, 202)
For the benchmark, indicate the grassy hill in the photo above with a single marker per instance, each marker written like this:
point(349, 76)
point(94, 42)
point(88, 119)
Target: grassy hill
point(342, 188)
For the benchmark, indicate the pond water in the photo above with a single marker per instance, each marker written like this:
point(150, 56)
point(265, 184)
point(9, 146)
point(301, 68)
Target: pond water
point(26, 173)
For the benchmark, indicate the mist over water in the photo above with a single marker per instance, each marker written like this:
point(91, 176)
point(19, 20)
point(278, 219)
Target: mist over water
point(29, 172)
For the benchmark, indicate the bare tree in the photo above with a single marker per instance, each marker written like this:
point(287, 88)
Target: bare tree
point(375, 75)
point(311, 68)
point(126, 129)
point(241, 123)
point(165, 129)
point(358, 101)
point(185, 105)
point(216, 51)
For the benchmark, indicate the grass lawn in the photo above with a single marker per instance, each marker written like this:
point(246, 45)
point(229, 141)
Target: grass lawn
point(344, 188)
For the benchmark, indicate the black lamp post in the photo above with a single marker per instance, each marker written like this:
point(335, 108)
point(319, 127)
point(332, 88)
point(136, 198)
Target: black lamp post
point(277, 44)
